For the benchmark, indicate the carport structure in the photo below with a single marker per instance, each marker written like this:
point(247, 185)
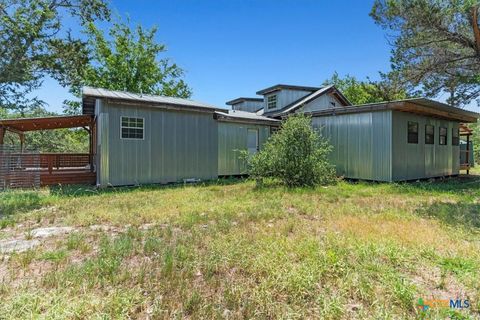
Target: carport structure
point(52, 168)
point(466, 132)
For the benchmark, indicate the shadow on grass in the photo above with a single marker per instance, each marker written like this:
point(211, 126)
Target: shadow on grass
point(461, 185)
point(454, 214)
point(16, 202)
point(85, 190)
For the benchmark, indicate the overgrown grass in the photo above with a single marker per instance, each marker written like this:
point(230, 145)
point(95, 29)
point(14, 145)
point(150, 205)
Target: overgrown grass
point(231, 250)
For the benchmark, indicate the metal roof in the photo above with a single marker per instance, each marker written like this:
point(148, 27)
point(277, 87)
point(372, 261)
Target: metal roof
point(242, 99)
point(245, 116)
point(46, 123)
point(306, 99)
point(421, 106)
point(286, 86)
point(145, 98)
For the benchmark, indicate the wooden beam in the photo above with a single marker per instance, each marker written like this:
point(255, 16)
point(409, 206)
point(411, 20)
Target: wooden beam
point(412, 107)
point(2, 135)
point(467, 154)
point(22, 141)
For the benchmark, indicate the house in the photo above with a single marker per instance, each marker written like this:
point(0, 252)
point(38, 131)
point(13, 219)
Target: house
point(389, 141)
point(142, 139)
point(151, 139)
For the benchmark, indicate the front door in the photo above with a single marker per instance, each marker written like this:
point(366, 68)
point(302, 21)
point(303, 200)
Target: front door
point(252, 141)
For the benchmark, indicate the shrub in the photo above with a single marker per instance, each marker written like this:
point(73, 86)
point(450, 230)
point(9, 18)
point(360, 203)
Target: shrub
point(297, 155)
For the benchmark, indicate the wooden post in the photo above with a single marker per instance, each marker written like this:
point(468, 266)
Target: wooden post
point(2, 135)
point(22, 141)
point(467, 154)
point(90, 147)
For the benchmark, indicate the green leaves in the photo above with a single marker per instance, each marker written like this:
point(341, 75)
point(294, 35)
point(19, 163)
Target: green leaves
point(436, 45)
point(127, 59)
point(34, 44)
point(362, 92)
point(296, 155)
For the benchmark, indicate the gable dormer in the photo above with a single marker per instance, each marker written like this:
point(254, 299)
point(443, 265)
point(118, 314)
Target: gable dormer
point(281, 95)
point(246, 104)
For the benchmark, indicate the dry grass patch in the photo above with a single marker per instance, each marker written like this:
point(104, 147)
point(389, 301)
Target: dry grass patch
point(230, 250)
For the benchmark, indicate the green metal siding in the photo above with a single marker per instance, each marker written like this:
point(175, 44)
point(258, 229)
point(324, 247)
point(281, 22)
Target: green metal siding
point(177, 145)
point(232, 137)
point(417, 161)
point(361, 144)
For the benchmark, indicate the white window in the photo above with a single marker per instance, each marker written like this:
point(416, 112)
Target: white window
point(131, 128)
point(272, 102)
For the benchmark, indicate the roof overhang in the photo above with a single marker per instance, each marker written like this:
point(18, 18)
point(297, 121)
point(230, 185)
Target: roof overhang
point(47, 123)
point(278, 87)
point(242, 99)
point(247, 119)
point(465, 130)
point(419, 106)
point(329, 90)
point(128, 98)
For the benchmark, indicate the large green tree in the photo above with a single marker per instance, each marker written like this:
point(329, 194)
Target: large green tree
point(436, 45)
point(369, 91)
point(34, 43)
point(128, 60)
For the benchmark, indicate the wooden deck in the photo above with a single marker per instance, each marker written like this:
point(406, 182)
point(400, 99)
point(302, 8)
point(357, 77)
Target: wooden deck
point(66, 168)
point(26, 170)
point(67, 177)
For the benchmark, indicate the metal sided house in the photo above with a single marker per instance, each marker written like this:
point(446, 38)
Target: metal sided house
point(240, 130)
point(395, 141)
point(145, 139)
point(389, 141)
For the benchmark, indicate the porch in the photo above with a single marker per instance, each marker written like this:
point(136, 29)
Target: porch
point(29, 168)
point(465, 155)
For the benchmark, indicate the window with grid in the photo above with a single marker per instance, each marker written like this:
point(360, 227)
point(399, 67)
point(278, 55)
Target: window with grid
point(412, 132)
point(429, 134)
point(455, 137)
point(132, 128)
point(272, 102)
point(442, 136)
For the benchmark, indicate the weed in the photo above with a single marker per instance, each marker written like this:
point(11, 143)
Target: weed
point(56, 256)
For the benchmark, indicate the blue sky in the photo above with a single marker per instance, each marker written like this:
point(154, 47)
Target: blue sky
point(232, 48)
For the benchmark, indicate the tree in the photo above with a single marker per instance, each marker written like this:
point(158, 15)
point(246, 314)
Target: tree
point(361, 92)
point(128, 61)
point(436, 45)
point(297, 155)
point(34, 43)
point(58, 140)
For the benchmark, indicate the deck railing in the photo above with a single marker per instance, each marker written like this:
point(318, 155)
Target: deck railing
point(66, 161)
point(27, 169)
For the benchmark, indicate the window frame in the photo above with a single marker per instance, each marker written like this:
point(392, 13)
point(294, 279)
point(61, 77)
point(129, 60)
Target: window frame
point(408, 132)
point(128, 127)
point(432, 134)
point(456, 142)
point(440, 136)
point(268, 101)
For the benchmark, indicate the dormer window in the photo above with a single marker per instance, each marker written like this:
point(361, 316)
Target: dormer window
point(272, 102)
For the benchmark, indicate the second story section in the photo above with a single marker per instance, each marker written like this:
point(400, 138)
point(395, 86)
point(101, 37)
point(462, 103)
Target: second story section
point(246, 104)
point(279, 96)
point(281, 100)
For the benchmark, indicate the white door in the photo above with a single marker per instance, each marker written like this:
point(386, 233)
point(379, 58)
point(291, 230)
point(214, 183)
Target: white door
point(252, 141)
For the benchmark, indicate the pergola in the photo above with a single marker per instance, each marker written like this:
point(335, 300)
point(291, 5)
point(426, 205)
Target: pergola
point(54, 168)
point(465, 131)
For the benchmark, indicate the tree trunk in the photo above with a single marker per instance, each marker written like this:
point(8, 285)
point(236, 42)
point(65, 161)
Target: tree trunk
point(476, 28)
